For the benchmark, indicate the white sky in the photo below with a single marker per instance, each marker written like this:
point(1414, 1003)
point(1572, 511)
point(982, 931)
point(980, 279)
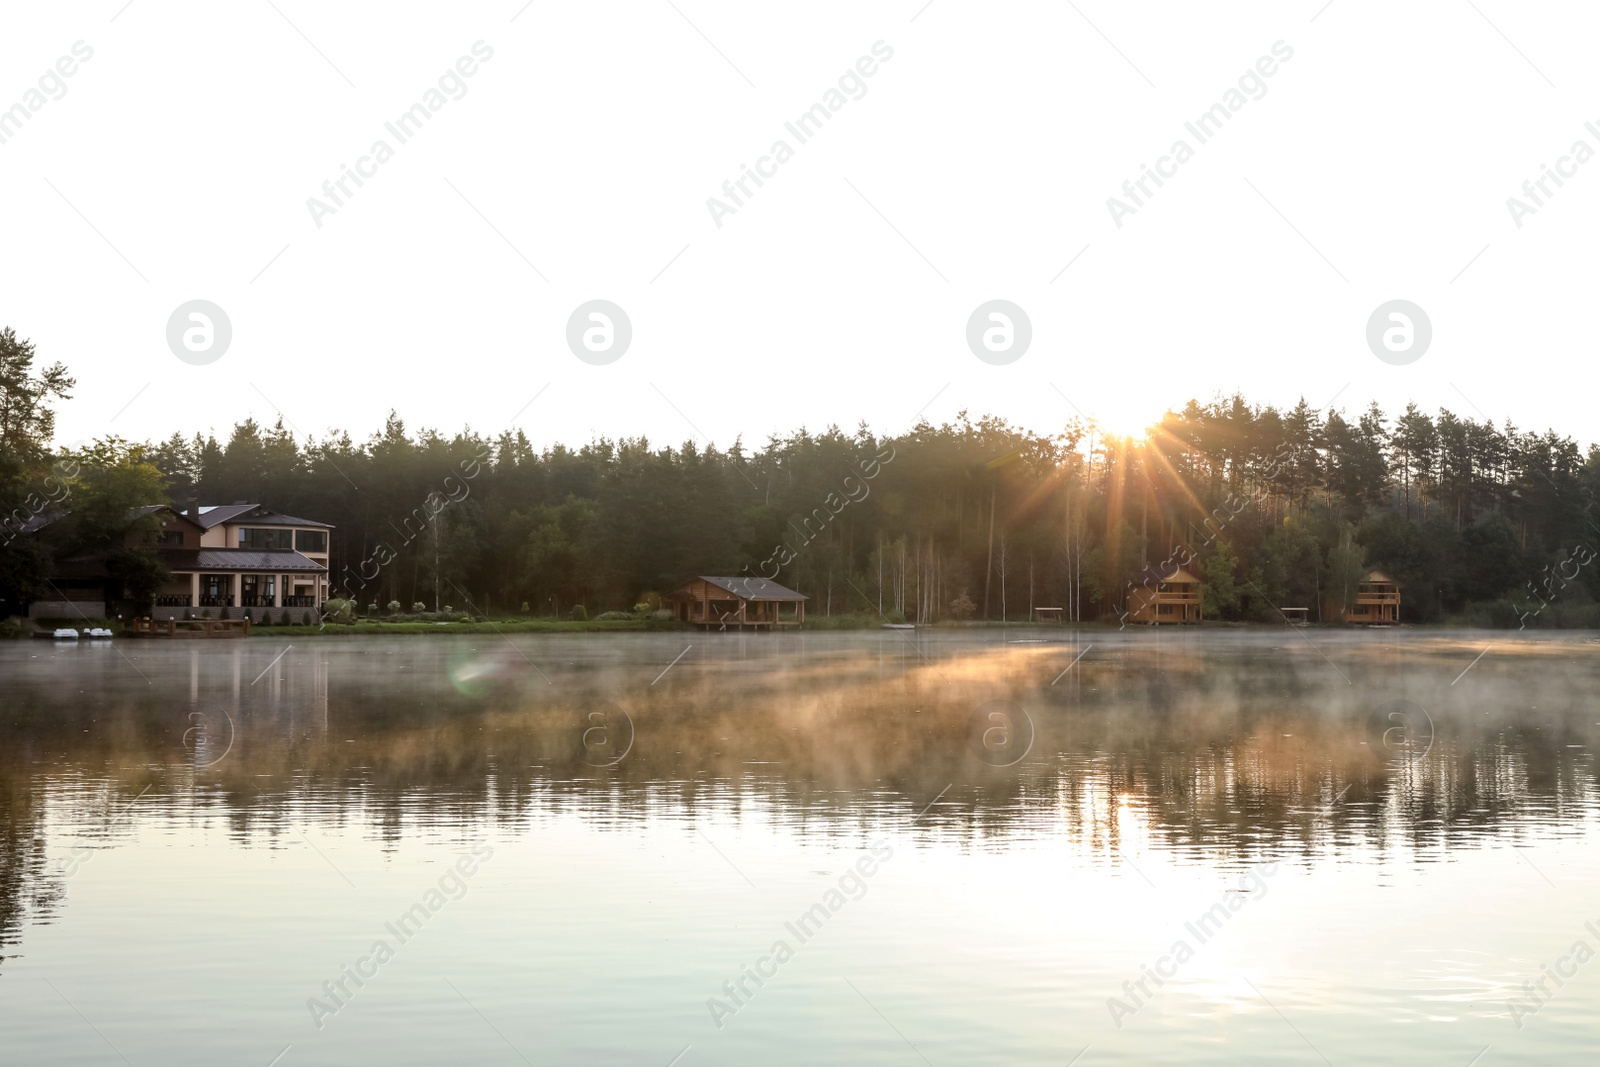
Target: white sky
point(592, 139)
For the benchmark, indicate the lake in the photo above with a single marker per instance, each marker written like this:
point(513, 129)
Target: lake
point(1029, 846)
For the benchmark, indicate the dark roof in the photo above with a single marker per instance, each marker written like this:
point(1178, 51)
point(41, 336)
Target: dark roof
point(263, 517)
point(211, 514)
point(38, 522)
point(238, 559)
point(754, 588)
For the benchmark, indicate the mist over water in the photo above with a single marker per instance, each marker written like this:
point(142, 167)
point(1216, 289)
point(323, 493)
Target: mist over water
point(198, 839)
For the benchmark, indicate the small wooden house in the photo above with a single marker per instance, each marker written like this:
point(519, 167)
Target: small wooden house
point(739, 603)
point(1163, 595)
point(1377, 601)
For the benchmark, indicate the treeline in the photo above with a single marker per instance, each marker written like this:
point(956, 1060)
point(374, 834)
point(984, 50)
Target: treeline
point(970, 519)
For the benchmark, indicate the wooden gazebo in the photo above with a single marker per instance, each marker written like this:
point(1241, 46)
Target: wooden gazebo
point(1377, 601)
point(740, 603)
point(1166, 594)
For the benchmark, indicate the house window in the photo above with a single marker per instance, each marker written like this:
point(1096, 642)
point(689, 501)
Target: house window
point(257, 590)
point(172, 537)
point(266, 539)
point(311, 540)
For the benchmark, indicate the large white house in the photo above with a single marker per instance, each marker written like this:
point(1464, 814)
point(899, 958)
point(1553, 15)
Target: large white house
point(240, 557)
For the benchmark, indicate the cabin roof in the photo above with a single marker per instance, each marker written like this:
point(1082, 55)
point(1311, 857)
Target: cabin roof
point(753, 588)
point(1379, 576)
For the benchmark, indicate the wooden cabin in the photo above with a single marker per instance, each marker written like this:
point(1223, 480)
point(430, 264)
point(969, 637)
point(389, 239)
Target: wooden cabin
point(738, 603)
point(1377, 601)
point(1165, 595)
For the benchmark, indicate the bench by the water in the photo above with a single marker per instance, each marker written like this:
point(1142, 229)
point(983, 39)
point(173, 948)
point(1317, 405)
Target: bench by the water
point(189, 628)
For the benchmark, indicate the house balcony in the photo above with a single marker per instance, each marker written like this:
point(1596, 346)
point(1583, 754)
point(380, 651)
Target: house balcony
point(1377, 598)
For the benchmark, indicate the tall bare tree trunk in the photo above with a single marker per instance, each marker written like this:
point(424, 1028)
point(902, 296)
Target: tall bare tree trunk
point(988, 567)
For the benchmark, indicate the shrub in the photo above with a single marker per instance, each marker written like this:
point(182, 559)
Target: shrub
point(394, 607)
point(961, 607)
point(640, 609)
point(15, 627)
point(225, 613)
point(418, 607)
point(372, 608)
point(448, 610)
point(579, 614)
point(613, 616)
point(339, 611)
point(661, 615)
point(464, 617)
point(305, 618)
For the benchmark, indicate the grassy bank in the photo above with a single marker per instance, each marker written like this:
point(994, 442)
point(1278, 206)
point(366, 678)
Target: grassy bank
point(18, 628)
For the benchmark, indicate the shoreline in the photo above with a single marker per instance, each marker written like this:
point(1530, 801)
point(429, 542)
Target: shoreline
point(836, 624)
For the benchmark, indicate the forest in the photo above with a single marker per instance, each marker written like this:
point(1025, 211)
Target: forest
point(973, 519)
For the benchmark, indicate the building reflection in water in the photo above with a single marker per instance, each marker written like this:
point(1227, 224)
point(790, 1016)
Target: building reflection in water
point(1223, 753)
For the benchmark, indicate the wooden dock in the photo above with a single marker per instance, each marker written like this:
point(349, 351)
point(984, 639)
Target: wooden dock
point(188, 628)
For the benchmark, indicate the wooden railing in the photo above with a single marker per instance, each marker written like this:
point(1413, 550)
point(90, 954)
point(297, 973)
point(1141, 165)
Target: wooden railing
point(188, 628)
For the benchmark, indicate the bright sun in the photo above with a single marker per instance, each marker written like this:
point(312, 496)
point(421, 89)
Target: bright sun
point(1124, 423)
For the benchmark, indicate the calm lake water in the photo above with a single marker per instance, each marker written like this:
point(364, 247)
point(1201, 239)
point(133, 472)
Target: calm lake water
point(1256, 847)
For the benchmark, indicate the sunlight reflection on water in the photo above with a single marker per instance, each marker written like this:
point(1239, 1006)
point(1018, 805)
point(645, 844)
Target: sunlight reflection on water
point(191, 897)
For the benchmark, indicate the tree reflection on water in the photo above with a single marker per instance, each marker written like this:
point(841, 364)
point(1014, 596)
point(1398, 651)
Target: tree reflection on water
point(1222, 748)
